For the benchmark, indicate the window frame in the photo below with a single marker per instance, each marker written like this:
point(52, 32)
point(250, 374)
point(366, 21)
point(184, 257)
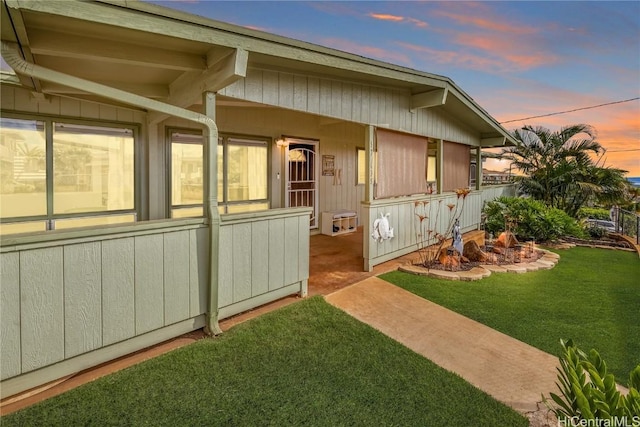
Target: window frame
point(225, 164)
point(169, 161)
point(375, 166)
point(223, 203)
point(49, 219)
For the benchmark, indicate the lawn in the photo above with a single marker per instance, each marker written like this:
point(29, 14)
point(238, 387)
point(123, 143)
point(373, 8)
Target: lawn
point(591, 296)
point(305, 364)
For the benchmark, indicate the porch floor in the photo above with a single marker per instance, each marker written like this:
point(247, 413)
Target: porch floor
point(336, 262)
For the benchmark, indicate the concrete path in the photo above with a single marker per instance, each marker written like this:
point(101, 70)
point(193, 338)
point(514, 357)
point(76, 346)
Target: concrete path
point(507, 369)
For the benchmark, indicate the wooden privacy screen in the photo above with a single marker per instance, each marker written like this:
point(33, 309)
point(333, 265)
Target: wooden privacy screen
point(456, 161)
point(402, 164)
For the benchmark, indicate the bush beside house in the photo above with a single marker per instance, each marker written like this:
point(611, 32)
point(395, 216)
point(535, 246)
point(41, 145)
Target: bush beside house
point(529, 219)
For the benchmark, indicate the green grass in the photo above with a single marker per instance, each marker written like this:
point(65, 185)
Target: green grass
point(591, 296)
point(306, 364)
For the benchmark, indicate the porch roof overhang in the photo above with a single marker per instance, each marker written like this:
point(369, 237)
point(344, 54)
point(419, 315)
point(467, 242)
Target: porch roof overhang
point(172, 56)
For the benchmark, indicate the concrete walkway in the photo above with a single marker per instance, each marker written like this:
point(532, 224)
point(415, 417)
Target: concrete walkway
point(511, 371)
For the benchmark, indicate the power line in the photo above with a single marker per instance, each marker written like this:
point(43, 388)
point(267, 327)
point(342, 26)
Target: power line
point(620, 151)
point(571, 111)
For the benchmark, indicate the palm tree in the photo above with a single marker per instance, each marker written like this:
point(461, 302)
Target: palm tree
point(559, 169)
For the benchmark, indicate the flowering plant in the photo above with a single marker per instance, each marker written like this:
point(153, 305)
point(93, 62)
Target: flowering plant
point(429, 231)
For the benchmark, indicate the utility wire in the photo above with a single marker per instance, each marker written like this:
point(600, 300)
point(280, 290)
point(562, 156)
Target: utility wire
point(571, 111)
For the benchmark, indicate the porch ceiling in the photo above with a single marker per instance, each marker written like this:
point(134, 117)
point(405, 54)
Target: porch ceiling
point(156, 52)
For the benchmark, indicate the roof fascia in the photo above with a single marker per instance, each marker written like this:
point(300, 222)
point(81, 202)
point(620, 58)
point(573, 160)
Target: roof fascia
point(161, 20)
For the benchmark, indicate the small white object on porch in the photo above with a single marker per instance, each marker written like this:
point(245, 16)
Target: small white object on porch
point(381, 228)
point(339, 222)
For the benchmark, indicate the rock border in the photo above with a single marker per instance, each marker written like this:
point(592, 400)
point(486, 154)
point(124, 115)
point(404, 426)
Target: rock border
point(547, 261)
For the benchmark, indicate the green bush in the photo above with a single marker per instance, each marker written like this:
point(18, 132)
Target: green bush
point(596, 232)
point(594, 213)
point(531, 219)
point(588, 392)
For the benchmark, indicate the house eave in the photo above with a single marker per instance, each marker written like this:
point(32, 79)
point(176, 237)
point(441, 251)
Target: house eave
point(195, 36)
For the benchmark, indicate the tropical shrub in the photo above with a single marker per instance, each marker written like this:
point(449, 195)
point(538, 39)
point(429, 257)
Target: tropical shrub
point(529, 219)
point(565, 169)
point(594, 213)
point(596, 232)
point(588, 392)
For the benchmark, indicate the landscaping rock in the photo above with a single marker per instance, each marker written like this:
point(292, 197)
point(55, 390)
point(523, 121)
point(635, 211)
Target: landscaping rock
point(506, 239)
point(481, 271)
point(473, 252)
point(530, 266)
point(494, 268)
point(446, 275)
point(542, 265)
point(468, 276)
point(550, 259)
point(550, 254)
point(414, 269)
point(476, 271)
point(513, 268)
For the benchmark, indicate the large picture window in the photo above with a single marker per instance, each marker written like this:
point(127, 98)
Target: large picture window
point(242, 174)
point(59, 174)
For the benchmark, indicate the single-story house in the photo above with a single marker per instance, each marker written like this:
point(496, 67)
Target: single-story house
point(161, 171)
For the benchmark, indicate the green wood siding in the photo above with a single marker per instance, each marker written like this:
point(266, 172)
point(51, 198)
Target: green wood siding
point(198, 270)
point(348, 101)
point(176, 276)
point(118, 290)
point(74, 299)
point(83, 295)
point(10, 361)
point(41, 307)
point(263, 256)
point(276, 253)
point(149, 291)
point(83, 299)
point(260, 258)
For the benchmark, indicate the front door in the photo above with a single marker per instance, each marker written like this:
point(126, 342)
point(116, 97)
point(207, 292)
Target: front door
point(302, 176)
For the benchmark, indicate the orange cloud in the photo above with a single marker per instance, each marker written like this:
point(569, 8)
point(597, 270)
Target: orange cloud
point(464, 59)
point(492, 23)
point(514, 55)
point(396, 18)
point(481, 31)
point(617, 125)
point(368, 51)
point(418, 23)
point(386, 17)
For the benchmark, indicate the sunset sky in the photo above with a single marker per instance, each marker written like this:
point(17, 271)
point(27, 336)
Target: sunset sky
point(516, 59)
